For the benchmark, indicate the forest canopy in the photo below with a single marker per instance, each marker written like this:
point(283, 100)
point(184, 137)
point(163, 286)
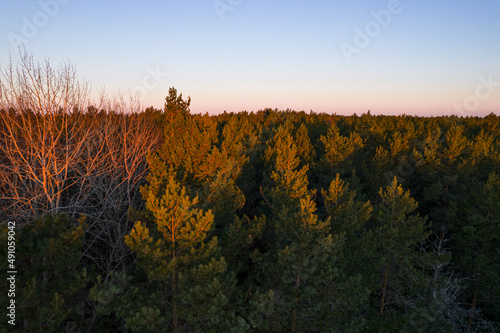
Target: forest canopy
point(159, 220)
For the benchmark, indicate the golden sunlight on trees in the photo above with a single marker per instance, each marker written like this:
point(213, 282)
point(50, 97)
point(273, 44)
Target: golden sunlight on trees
point(63, 154)
point(182, 240)
point(160, 220)
point(43, 135)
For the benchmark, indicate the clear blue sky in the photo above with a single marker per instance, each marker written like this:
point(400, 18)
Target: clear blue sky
point(424, 57)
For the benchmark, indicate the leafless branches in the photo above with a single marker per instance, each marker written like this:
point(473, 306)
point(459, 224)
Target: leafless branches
point(60, 153)
point(42, 134)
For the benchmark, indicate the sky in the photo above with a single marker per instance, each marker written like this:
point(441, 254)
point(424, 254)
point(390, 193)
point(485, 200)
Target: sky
point(414, 57)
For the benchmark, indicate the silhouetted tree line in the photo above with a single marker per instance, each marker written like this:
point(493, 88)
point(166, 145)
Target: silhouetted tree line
point(268, 221)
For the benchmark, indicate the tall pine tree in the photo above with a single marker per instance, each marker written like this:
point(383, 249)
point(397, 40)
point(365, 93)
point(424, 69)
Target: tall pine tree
point(399, 233)
point(299, 268)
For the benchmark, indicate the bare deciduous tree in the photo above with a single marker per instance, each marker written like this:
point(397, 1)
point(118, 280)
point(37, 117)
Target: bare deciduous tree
point(60, 153)
point(42, 135)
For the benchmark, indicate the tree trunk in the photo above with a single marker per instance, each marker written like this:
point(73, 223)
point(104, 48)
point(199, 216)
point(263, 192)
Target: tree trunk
point(474, 298)
point(294, 314)
point(472, 308)
point(175, 319)
point(384, 287)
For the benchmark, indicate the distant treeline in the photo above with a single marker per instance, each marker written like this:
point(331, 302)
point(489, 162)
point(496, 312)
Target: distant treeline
point(269, 221)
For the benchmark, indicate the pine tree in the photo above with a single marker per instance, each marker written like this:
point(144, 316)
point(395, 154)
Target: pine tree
point(399, 233)
point(339, 152)
point(184, 286)
point(475, 249)
point(182, 230)
point(50, 287)
point(206, 161)
point(299, 269)
point(175, 104)
point(305, 149)
point(457, 145)
point(347, 214)
point(350, 217)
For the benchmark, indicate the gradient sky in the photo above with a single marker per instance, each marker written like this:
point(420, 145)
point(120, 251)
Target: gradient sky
point(427, 57)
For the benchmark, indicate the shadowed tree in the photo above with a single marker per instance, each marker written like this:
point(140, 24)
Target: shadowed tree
point(476, 250)
point(399, 233)
point(50, 291)
point(299, 269)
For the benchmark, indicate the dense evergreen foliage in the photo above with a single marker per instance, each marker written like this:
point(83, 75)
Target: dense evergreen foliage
point(269, 221)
